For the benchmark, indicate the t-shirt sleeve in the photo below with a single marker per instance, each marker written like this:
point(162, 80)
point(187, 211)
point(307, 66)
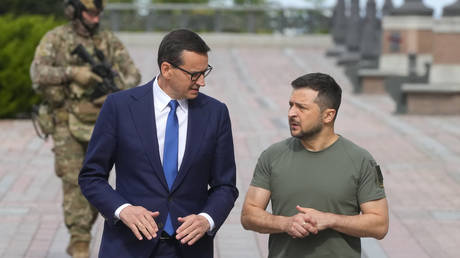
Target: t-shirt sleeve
point(370, 183)
point(262, 172)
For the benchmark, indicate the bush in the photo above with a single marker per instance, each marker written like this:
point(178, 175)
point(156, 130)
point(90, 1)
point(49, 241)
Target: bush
point(20, 37)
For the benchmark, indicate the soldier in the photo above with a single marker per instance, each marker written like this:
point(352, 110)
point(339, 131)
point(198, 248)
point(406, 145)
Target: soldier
point(71, 90)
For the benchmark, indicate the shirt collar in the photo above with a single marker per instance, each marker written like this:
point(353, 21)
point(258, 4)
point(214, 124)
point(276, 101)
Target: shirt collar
point(161, 99)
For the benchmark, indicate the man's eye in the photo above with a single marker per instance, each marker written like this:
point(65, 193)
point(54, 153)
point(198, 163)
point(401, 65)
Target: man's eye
point(302, 107)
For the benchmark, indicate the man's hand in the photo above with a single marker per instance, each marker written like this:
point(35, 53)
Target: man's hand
point(372, 222)
point(83, 75)
point(192, 229)
point(140, 220)
point(322, 220)
point(300, 226)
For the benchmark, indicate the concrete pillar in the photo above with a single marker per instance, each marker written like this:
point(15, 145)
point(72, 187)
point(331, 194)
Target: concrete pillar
point(369, 53)
point(370, 43)
point(351, 55)
point(353, 36)
point(387, 7)
point(442, 94)
point(339, 23)
point(339, 29)
point(407, 30)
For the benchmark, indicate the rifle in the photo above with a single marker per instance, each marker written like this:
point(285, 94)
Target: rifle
point(103, 69)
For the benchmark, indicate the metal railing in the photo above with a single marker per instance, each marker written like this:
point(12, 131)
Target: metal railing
point(210, 18)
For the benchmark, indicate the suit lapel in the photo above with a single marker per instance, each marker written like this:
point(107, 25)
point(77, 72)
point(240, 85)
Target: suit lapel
point(195, 132)
point(142, 112)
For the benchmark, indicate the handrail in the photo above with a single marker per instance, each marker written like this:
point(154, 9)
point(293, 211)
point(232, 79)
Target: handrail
point(185, 6)
point(211, 17)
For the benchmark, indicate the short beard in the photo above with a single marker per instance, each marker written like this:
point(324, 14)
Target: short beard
point(83, 29)
point(310, 134)
point(92, 29)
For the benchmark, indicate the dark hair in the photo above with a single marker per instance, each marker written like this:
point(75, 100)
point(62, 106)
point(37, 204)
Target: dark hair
point(175, 42)
point(329, 92)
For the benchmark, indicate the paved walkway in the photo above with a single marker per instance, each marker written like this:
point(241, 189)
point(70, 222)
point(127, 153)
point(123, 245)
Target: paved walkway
point(419, 155)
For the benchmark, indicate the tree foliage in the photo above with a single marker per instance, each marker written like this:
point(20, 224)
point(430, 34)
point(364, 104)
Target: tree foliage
point(18, 7)
point(20, 36)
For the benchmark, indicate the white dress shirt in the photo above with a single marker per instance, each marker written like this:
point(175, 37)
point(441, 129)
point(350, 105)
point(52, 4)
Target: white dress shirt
point(161, 100)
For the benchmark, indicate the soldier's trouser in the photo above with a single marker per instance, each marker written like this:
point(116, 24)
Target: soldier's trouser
point(79, 214)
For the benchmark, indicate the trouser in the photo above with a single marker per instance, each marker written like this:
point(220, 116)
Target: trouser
point(79, 214)
point(166, 248)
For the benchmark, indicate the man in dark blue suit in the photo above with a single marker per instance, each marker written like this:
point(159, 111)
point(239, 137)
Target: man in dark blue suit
point(173, 153)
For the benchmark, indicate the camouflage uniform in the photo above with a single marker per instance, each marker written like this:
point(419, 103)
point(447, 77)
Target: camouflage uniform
point(73, 113)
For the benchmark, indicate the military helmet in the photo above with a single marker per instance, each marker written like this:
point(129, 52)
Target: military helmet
point(75, 7)
point(90, 5)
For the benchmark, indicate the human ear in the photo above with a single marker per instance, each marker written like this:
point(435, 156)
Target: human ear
point(329, 115)
point(166, 70)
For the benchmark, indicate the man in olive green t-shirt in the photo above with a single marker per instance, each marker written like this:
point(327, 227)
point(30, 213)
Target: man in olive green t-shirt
point(326, 191)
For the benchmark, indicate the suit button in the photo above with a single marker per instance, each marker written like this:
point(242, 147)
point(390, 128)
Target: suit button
point(170, 198)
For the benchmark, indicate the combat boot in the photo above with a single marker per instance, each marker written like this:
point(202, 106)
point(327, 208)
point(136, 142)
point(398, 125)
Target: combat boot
point(69, 249)
point(80, 250)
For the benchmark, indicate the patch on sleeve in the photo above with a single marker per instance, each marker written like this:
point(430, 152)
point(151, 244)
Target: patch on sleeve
point(379, 176)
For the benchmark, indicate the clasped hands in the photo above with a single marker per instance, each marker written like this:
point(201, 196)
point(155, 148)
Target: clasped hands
point(142, 222)
point(307, 221)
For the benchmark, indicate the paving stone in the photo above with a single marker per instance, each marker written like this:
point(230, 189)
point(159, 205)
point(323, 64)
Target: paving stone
point(419, 156)
point(233, 241)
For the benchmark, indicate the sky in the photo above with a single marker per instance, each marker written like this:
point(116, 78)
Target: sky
point(437, 5)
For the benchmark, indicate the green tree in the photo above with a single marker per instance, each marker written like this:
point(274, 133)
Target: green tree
point(18, 7)
point(20, 36)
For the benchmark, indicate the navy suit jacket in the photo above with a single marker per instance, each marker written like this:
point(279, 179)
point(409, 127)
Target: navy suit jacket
point(125, 136)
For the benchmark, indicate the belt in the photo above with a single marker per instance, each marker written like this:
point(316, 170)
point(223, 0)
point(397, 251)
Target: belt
point(166, 236)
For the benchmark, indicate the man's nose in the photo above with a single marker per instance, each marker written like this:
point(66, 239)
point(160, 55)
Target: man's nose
point(291, 112)
point(201, 81)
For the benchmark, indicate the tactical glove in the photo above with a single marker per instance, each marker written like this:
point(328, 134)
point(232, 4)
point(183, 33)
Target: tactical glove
point(82, 75)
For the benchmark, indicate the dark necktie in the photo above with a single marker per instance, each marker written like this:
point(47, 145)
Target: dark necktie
point(170, 154)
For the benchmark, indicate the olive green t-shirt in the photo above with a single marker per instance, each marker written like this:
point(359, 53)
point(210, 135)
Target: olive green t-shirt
point(337, 179)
